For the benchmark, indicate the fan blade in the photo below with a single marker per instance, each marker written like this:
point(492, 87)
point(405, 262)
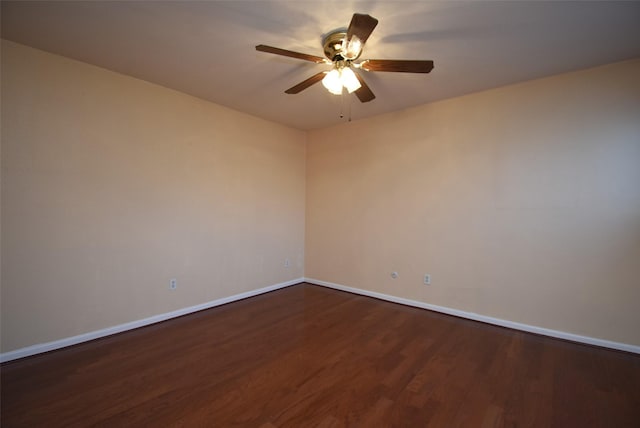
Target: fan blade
point(361, 26)
point(363, 93)
point(292, 54)
point(403, 66)
point(306, 83)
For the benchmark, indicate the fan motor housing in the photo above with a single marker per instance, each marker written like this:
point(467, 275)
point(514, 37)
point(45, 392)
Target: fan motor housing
point(334, 49)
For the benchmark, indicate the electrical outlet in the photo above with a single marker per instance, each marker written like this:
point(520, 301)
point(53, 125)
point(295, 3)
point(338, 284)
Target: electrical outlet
point(427, 279)
point(287, 263)
point(173, 284)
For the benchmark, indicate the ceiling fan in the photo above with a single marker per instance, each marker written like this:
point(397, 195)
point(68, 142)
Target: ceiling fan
point(341, 49)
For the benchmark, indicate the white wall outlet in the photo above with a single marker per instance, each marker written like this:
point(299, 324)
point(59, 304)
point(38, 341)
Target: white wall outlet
point(287, 263)
point(427, 279)
point(394, 275)
point(173, 284)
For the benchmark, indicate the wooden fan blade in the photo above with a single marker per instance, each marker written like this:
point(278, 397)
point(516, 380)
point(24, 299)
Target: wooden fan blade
point(306, 83)
point(403, 66)
point(361, 26)
point(292, 54)
point(363, 93)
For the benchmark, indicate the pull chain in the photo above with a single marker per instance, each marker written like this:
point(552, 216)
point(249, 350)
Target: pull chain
point(345, 104)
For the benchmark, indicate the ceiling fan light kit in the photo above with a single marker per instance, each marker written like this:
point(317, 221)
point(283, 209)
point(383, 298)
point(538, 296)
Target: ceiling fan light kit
point(341, 49)
point(341, 77)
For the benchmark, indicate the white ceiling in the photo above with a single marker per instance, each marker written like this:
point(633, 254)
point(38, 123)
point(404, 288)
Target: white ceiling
point(206, 49)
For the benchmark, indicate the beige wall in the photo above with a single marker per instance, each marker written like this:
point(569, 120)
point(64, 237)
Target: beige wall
point(523, 203)
point(111, 186)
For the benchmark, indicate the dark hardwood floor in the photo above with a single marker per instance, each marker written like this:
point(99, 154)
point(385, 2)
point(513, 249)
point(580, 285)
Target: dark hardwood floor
point(308, 356)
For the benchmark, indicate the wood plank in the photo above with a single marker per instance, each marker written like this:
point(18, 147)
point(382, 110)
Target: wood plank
point(312, 356)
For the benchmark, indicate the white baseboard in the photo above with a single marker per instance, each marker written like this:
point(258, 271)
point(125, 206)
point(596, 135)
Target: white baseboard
point(62, 343)
point(482, 318)
point(69, 341)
